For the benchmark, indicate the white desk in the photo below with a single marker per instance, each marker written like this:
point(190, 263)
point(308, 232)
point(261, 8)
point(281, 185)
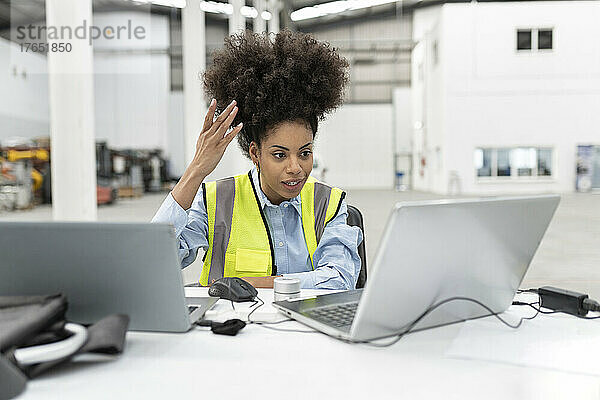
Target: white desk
point(261, 363)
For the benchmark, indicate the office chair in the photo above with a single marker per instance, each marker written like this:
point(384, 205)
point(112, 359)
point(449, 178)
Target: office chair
point(355, 218)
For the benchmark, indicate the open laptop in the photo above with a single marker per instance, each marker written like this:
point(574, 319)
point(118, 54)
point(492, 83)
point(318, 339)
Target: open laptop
point(102, 268)
point(432, 251)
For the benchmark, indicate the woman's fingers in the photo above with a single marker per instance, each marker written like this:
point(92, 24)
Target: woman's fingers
point(223, 117)
point(220, 132)
point(210, 115)
point(227, 139)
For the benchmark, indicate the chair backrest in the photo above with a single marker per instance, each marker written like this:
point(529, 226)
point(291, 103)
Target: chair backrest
point(355, 218)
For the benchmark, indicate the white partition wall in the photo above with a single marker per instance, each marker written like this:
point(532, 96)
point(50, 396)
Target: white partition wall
point(24, 81)
point(427, 101)
point(355, 144)
point(175, 139)
point(132, 83)
point(403, 129)
point(478, 91)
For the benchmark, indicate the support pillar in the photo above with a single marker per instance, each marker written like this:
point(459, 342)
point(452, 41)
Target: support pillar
point(237, 22)
point(259, 23)
point(274, 8)
point(71, 99)
point(194, 63)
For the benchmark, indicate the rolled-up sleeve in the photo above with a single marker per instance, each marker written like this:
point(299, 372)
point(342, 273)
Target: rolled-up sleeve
point(336, 258)
point(191, 226)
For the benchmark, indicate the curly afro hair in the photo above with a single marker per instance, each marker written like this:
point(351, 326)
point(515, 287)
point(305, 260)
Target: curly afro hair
point(293, 77)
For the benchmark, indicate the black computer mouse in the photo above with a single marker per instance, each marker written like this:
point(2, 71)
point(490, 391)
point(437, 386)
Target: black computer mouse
point(234, 289)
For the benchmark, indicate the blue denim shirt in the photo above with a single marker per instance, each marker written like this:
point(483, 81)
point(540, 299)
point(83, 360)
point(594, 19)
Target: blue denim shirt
point(337, 263)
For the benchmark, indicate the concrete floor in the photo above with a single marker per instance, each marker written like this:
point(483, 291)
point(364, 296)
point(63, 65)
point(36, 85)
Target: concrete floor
point(568, 257)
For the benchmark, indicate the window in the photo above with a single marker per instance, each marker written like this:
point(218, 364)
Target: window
point(483, 162)
point(545, 39)
point(513, 163)
point(523, 159)
point(532, 39)
point(544, 162)
point(503, 162)
point(524, 39)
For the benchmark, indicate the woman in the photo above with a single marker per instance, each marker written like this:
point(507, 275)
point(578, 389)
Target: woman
point(276, 220)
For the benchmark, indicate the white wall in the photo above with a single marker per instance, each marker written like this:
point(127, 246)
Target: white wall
point(175, 137)
point(355, 145)
point(403, 129)
point(24, 87)
point(496, 97)
point(428, 99)
point(131, 90)
point(132, 84)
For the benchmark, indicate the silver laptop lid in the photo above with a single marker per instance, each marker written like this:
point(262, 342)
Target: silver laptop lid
point(434, 250)
point(102, 268)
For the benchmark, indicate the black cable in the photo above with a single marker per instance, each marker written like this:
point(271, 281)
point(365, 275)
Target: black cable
point(254, 309)
point(589, 304)
point(265, 322)
point(262, 324)
point(406, 331)
point(584, 317)
point(423, 315)
point(411, 325)
point(252, 305)
point(532, 305)
point(435, 306)
point(538, 309)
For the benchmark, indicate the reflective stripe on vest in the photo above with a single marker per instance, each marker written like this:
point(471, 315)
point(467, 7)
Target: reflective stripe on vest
point(320, 203)
point(239, 241)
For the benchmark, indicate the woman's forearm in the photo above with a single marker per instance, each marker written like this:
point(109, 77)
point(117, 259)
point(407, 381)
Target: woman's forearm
point(185, 190)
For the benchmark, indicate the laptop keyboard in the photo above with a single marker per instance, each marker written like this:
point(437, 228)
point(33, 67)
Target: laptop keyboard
point(337, 315)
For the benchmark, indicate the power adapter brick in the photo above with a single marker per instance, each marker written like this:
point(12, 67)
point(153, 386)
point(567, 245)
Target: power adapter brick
point(566, 301)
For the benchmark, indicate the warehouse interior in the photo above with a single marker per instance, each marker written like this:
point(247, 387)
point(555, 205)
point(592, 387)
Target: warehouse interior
point(447, 102)
point(445, 99)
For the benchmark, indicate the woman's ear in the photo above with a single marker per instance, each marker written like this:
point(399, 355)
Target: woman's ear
point(254, 153)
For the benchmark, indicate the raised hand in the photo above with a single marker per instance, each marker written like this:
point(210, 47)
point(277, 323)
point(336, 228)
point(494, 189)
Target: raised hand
point(212, 141)
point(210, 147)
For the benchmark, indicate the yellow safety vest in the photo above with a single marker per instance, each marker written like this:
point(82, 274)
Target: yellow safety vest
point(239, 241)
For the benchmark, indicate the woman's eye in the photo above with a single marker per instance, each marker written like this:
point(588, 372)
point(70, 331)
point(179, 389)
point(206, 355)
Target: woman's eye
point(306, 153)
point(278, 155)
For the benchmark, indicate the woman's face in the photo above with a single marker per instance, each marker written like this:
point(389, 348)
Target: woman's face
point(285, 160)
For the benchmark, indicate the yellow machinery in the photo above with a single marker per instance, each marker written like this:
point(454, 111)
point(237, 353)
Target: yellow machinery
point(34, 154)
point(18, 178)
point(38, 154)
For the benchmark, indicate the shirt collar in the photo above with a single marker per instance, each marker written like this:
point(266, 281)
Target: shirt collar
point(264, 201)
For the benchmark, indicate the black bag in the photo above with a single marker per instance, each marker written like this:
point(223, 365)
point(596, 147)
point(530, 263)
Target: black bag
point(34, 337)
